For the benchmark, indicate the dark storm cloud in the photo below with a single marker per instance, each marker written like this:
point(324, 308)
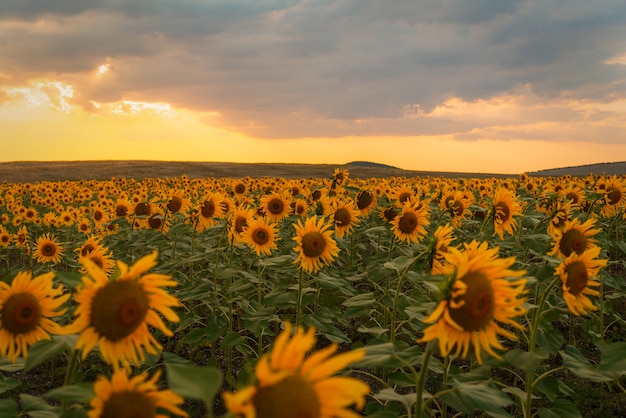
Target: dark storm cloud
point(327, 68)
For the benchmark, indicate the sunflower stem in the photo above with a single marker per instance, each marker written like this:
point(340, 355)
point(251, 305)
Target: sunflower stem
point(299, 300)
point(420, 384)
point(69, 374)
point(530, 381)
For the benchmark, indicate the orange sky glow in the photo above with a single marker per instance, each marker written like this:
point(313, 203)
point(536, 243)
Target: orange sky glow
point(164, 95)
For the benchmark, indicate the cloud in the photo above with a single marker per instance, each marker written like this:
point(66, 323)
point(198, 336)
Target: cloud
point(333, 68)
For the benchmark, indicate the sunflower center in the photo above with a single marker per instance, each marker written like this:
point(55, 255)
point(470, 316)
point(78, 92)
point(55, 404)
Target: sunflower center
point(457, 208)
point(142, 209)
point(118, 309)
point(573, 197)
point(343, 217)
point(390, 214)
point(503, 213)
point(407, 223)
point(403, 197)
point(577, 277)
point(477, 303)
point(97, 215)
point(48, 250)
point(175, 204)
point(275, 206)
point(208, 209)
point(573, 241)
point(240, 223)
point(260, 236)
point(313, 244)
point(121, 210)
point(614, 195)
point(292, 397)
point(240, 188)
point(21, 313)
point(155, 222)
point(86, 249)
point(364, 199)
point(128, 404)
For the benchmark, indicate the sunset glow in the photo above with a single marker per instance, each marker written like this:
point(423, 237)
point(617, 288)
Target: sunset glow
point(283, 90)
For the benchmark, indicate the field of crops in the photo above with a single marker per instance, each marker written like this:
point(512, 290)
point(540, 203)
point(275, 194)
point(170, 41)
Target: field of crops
point(319, 298)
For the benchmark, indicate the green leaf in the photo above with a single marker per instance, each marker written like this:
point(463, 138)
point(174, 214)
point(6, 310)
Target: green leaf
point(8, 408)
point(7, 383)
point(551, 339)
point(579, 365)
point(47, 349)
point(37, 408)
point(364, 299)
point(74, 393)
point(389, 394)
point(549, 386)
point(74, 411)
point(525, 360)
point(561, 408)
point(194, 382)
point(376, 355)
point(469, 397)
point(377, 331)
point(7, 365)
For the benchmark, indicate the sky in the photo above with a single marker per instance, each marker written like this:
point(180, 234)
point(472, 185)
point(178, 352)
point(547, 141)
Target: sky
point(489, 86)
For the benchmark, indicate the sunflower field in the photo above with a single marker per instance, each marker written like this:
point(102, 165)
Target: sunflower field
point(321, 298)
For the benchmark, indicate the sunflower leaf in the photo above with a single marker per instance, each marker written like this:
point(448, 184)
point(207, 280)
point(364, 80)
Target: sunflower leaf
point(8, 408)
point(74, 393)
point(47, 349)
point(193, 381)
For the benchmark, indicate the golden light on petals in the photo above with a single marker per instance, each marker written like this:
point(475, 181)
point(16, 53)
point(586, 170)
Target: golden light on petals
point(290, 384)
point(133, 397)
point(482, 295)
point(577, 273)
point(115, 313)
point(27, 309)
point(315, 245)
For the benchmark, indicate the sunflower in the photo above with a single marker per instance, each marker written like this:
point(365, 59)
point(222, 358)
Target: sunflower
point(505, 207)
point(559, 215)
point(299, 207)
point(238, 223)
point(290, 385)
point(275, 207)
point(260, 236)
point(208, 209)
point(457, 205)
point(614, 197)
point(442, 238)
point(365, 201)
point(575, 237)
point(345, 215)
point(22, 240)
point(159, 221)
point(479, 295)
point(100, 258)
point(5, 238)
point(48, 250)
point(340, 176)
point(115, 314)
point(122, 208)
point(315, 245)
point(577, 272)
point(99, 216)
point(27, 307)
point(136, 397)
point(177, 202)
point(410, 224)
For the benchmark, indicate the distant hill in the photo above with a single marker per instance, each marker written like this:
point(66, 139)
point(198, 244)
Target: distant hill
point(615, 168)
point(33, 171)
